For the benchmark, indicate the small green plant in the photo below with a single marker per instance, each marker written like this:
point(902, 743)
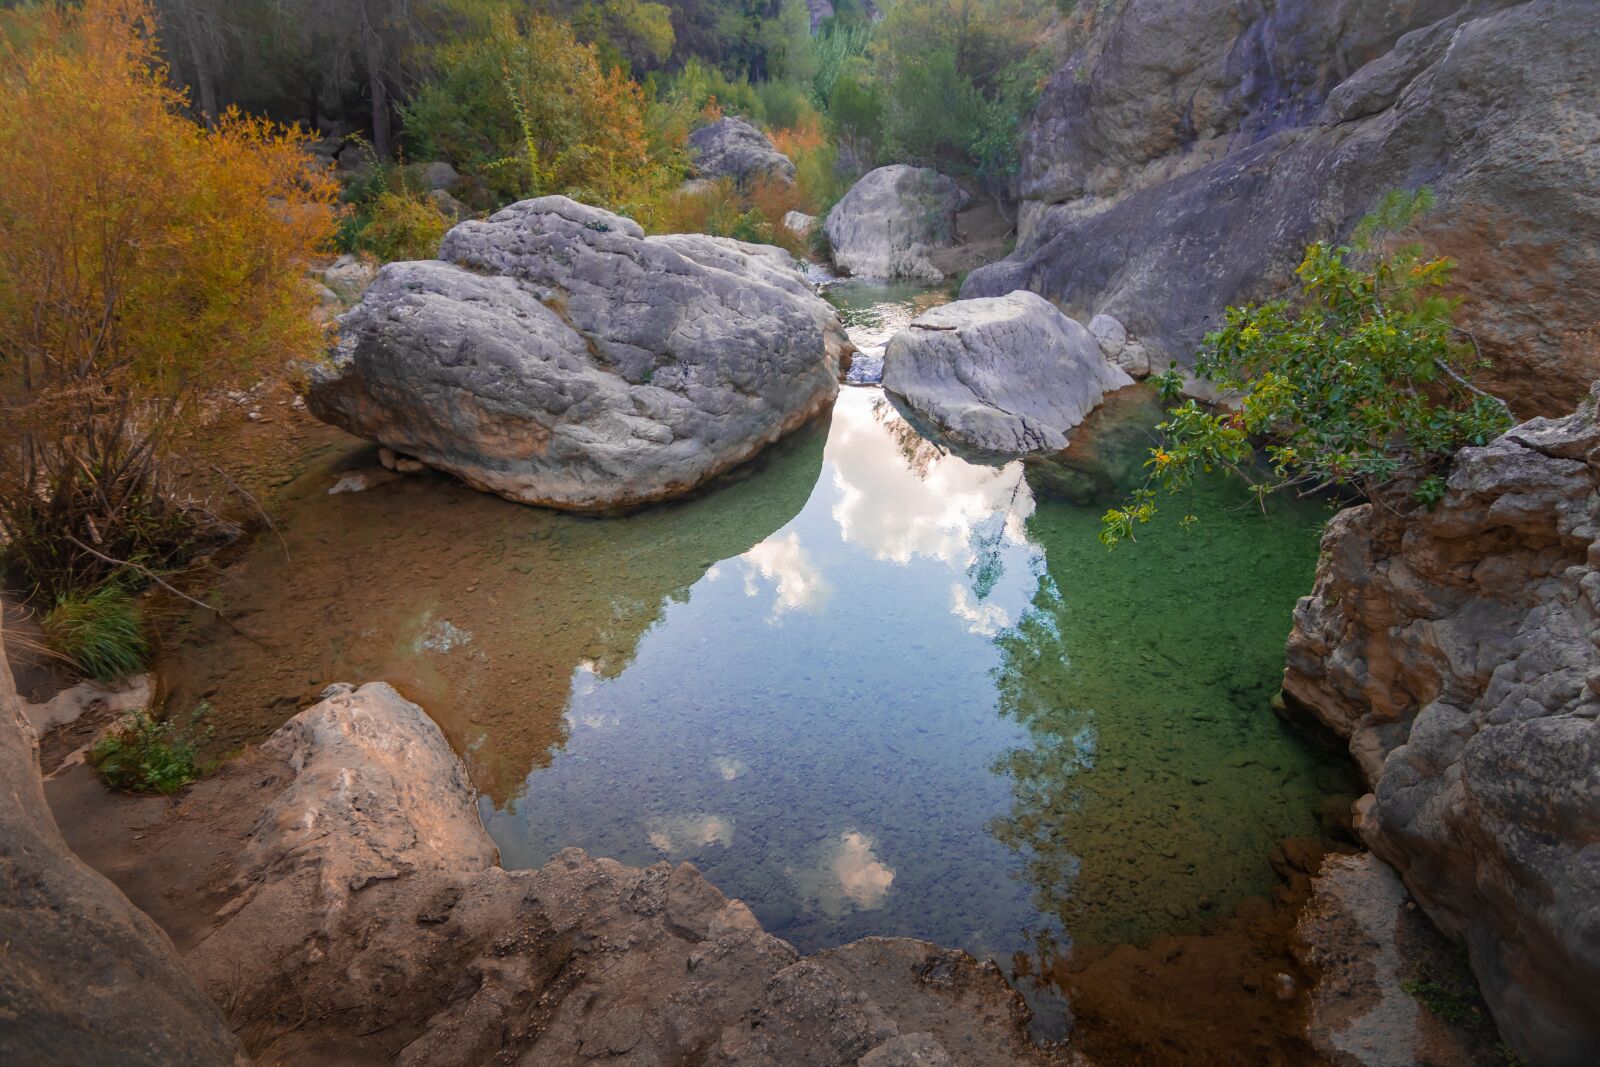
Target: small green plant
point(1445, 985)
point(100, 632)
point(401, 226)
point(1366, 376)
point(144, 754)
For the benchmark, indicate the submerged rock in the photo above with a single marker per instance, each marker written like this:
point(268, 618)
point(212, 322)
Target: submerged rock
point(1183, 158)
point(732, 148)
point(367, 902)
point(890, 221)
point(1456, 650)
point(555, 355)
point(85, 977)
point(1007, 375)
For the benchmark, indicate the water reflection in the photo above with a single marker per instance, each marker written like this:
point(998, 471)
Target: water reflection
point(1154, 779)
point(784, 563)
point(487, 613)
point(848, 877)
point(873, 312)
point(689, 835)
point(869, 686)
point(900, 496)
point(932, 705)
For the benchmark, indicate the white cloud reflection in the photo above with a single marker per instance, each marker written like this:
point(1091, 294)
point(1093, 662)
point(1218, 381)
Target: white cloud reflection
point(685, 835)
point(784, 562)
point(981, 618)
point(850, 875)
point(900, 497)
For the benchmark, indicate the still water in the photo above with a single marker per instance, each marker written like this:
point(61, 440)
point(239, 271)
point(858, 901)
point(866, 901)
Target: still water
point(867, 686)
point(931, 704)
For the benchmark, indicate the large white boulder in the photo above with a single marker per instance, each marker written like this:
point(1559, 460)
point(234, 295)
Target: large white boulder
point(1009, 375)
point(557, 356)
point(890, 220)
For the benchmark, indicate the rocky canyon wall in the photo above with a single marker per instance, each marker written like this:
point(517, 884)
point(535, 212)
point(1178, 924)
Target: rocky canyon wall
point(1456, 650)
point(1185, 156)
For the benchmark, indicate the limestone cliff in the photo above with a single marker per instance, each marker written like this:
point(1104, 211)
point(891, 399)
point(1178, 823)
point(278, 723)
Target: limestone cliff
point(1185, 156)
point(1456, 650)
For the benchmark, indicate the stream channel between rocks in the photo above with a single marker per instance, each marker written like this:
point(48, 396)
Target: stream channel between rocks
point(863, 684)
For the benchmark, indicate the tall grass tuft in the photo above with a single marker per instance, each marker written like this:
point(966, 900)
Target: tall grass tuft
point(101, 632)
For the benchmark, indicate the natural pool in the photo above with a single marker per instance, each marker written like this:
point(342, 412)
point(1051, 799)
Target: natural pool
point(867, 686)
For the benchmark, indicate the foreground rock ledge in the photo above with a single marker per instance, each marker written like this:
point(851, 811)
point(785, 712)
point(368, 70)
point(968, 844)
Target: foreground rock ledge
point(555, 355)
point(368, 913)
point(1005, 375)
point(1456, 650)
point(85, 977)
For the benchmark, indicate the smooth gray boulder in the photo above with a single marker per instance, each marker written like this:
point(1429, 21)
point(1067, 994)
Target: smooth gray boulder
point(440, 176)
point(368, 921)
point(1009, 375)
point(85, 977)
point(799, 223)
point(732, 148)
point(1456, 649)
point(1118, 347)
point(890, 220)
point(1183, 158)
point(557, 356)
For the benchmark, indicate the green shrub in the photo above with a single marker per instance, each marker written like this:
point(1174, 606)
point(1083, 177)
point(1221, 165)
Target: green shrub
point(101, 632)
point(955, 81)
point(697, 87)
point(400, 226)
point(783, 103)
point(148, 755)
point(1365, 377)
point(527, 111)
point(855, 112)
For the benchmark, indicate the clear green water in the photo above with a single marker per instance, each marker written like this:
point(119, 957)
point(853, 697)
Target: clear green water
point(931, 704)
point(866, 686)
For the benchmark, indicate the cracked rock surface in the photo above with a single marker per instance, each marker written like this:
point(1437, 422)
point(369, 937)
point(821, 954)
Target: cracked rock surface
point(556, 355)
point(369, 922)
point(1181, 160)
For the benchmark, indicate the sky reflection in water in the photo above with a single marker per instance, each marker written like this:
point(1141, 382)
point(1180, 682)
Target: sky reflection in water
point(931, 704)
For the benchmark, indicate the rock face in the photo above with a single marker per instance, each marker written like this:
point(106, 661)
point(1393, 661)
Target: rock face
point(1182, 160)
point(1456, 649)
point(85, 977)
point(732, 148)
point(799, 223)
point(368, 903)
point(891, 220)
point(555, 355)
point(1008, 375)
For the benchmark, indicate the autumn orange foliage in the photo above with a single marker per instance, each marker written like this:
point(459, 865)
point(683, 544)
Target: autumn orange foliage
point(143, 260)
